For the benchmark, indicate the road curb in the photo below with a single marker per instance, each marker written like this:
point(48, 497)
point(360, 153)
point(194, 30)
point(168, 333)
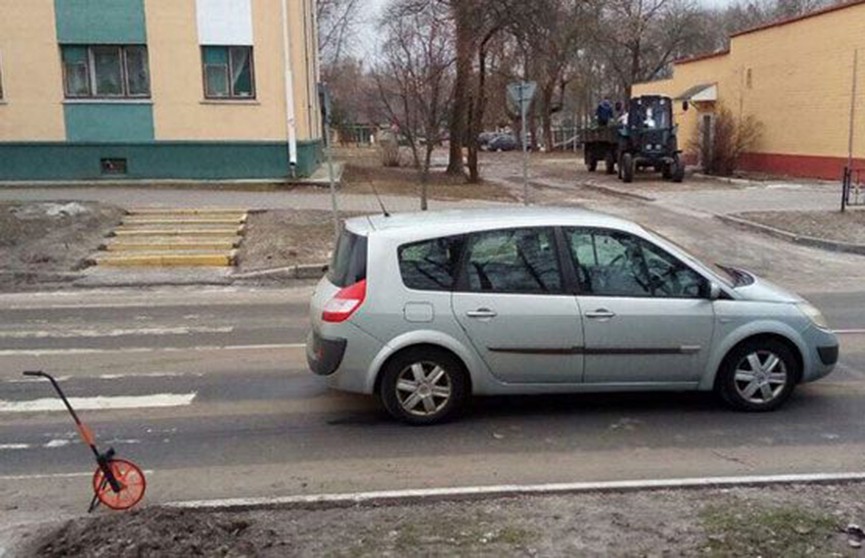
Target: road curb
point(431, 495)
point(304, 271)
point(803, 240)
point(616, 192)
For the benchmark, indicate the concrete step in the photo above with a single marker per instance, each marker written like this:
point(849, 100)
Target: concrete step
point(160, 244)
point(180, 225)
point(186, 211)
point(190, 231)
point(187, 258)
point(184, 220)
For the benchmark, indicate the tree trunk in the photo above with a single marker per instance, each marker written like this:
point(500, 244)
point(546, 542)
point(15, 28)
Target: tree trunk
point(462, 17)
point(546, 116)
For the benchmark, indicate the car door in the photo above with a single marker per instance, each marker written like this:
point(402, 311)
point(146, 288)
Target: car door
point(647, 316)
point(512, 303)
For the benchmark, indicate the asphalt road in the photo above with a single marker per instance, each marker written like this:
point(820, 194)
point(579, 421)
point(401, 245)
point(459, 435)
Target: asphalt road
point(243, 417)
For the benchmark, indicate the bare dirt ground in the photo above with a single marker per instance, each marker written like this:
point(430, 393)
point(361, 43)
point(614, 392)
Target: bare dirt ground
point(40, 242)
point(778, 521)
point(283, 238)
point(364, 171)
point(846, 227)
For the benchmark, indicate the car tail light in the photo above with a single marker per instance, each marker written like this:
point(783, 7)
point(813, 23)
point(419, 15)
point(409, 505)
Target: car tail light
point(344, 303)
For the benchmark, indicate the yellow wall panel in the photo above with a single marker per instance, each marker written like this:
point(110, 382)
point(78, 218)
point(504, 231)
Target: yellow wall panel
point(179, 107)
point(32, 108)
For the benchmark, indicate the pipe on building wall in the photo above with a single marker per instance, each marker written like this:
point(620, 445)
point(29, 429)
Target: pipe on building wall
point(290, 125)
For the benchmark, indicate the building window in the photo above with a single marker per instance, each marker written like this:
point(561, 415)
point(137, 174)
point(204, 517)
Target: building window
point(105, 71)
point(228, 72)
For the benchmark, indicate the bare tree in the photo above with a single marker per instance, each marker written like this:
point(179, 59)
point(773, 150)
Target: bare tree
point(415, 76)
point(337, 23)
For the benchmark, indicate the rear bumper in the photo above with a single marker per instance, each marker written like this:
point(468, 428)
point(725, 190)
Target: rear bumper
point(324, 355)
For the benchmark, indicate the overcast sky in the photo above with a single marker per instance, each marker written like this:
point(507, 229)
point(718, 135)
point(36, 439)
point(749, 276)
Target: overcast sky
point(372, 9)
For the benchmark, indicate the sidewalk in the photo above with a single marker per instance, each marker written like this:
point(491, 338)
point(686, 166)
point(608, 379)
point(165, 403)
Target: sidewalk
point(137, 197)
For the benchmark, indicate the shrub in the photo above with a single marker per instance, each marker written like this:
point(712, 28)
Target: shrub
point(729, 139)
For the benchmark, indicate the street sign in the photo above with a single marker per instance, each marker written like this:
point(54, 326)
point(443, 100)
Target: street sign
point(521, 94)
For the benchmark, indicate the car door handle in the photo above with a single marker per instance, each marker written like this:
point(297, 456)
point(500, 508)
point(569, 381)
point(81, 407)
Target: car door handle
point(482, 313)
point(600, 314)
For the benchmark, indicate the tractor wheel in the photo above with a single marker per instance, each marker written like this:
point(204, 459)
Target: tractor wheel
point(591, 162)
point(667, 171)
point(610, 163)
point(627, 168)
point(678, 169)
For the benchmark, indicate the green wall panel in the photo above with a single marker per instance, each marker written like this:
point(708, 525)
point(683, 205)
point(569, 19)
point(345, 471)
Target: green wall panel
point(100, 21)
point(157, 160)
point(108, 122)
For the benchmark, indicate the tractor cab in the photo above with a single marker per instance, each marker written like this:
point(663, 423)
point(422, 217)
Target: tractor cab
point(649, 139)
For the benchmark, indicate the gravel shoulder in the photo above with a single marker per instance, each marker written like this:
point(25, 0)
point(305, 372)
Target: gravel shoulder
point(848, 227)
point(771, 521)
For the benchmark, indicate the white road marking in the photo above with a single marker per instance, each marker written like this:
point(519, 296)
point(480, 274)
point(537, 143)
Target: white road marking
point(69, 333)
point(56, 476)
point(854, 331)
point(57, 444)
point(497, 491)
point(99, 403)
point(14, 446)
point(50, 352)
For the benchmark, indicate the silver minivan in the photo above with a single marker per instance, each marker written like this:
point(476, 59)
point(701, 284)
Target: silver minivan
point(424, 310)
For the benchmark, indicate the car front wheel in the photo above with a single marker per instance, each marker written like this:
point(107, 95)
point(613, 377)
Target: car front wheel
point(758, 376)
point(423, 386)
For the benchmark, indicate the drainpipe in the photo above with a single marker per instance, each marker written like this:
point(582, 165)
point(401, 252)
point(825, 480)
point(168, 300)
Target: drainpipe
point(290, 128)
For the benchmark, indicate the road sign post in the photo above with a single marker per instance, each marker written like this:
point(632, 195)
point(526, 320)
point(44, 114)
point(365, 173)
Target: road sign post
point(324, 100)
point(521, 94)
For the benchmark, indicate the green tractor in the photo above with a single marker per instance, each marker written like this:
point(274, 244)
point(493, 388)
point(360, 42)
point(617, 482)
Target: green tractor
point(649, 139)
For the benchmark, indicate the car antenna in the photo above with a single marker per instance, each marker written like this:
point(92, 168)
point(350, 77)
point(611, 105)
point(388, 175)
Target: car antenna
point(380, 203)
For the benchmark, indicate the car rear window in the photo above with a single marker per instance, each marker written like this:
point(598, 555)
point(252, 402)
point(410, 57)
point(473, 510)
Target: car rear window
point(430, 265)
point(348, 265)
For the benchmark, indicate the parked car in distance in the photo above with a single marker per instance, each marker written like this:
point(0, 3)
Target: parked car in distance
point(424, 310)
point(503, 142)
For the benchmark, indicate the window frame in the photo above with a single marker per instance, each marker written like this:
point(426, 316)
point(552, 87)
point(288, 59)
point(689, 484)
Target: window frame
point(461, 285)
point(90, 69)
point(229, 67)
point(573, 262)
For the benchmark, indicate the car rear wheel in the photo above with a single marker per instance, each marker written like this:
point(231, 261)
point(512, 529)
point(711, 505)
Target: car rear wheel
point(423, 386)
point(758, 376)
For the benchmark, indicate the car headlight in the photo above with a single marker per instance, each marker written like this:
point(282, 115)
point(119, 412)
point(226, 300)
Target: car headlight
point(813, 314)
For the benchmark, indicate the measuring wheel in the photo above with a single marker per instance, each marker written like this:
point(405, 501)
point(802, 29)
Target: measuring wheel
point(130, 482)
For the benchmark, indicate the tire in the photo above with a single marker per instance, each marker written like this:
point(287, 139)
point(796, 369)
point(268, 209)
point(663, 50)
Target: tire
point(610, 163)
point(678, 170)
point(667, 171)
point(591, 163)
point(627, 168)
point(416, 401)
point(776, 376)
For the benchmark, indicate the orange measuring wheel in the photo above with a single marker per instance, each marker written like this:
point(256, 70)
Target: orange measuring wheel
point(130, 481)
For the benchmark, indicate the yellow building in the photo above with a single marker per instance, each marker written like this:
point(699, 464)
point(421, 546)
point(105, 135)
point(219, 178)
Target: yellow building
point(796, 78)
point(166, 89)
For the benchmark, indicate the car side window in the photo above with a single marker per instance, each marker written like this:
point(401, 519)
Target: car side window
point(614, 263)
point(513, 261)
point(430, 265)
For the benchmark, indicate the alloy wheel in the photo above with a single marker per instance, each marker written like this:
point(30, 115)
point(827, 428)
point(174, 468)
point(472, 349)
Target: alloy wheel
point(761, 377)
point(423, 388)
